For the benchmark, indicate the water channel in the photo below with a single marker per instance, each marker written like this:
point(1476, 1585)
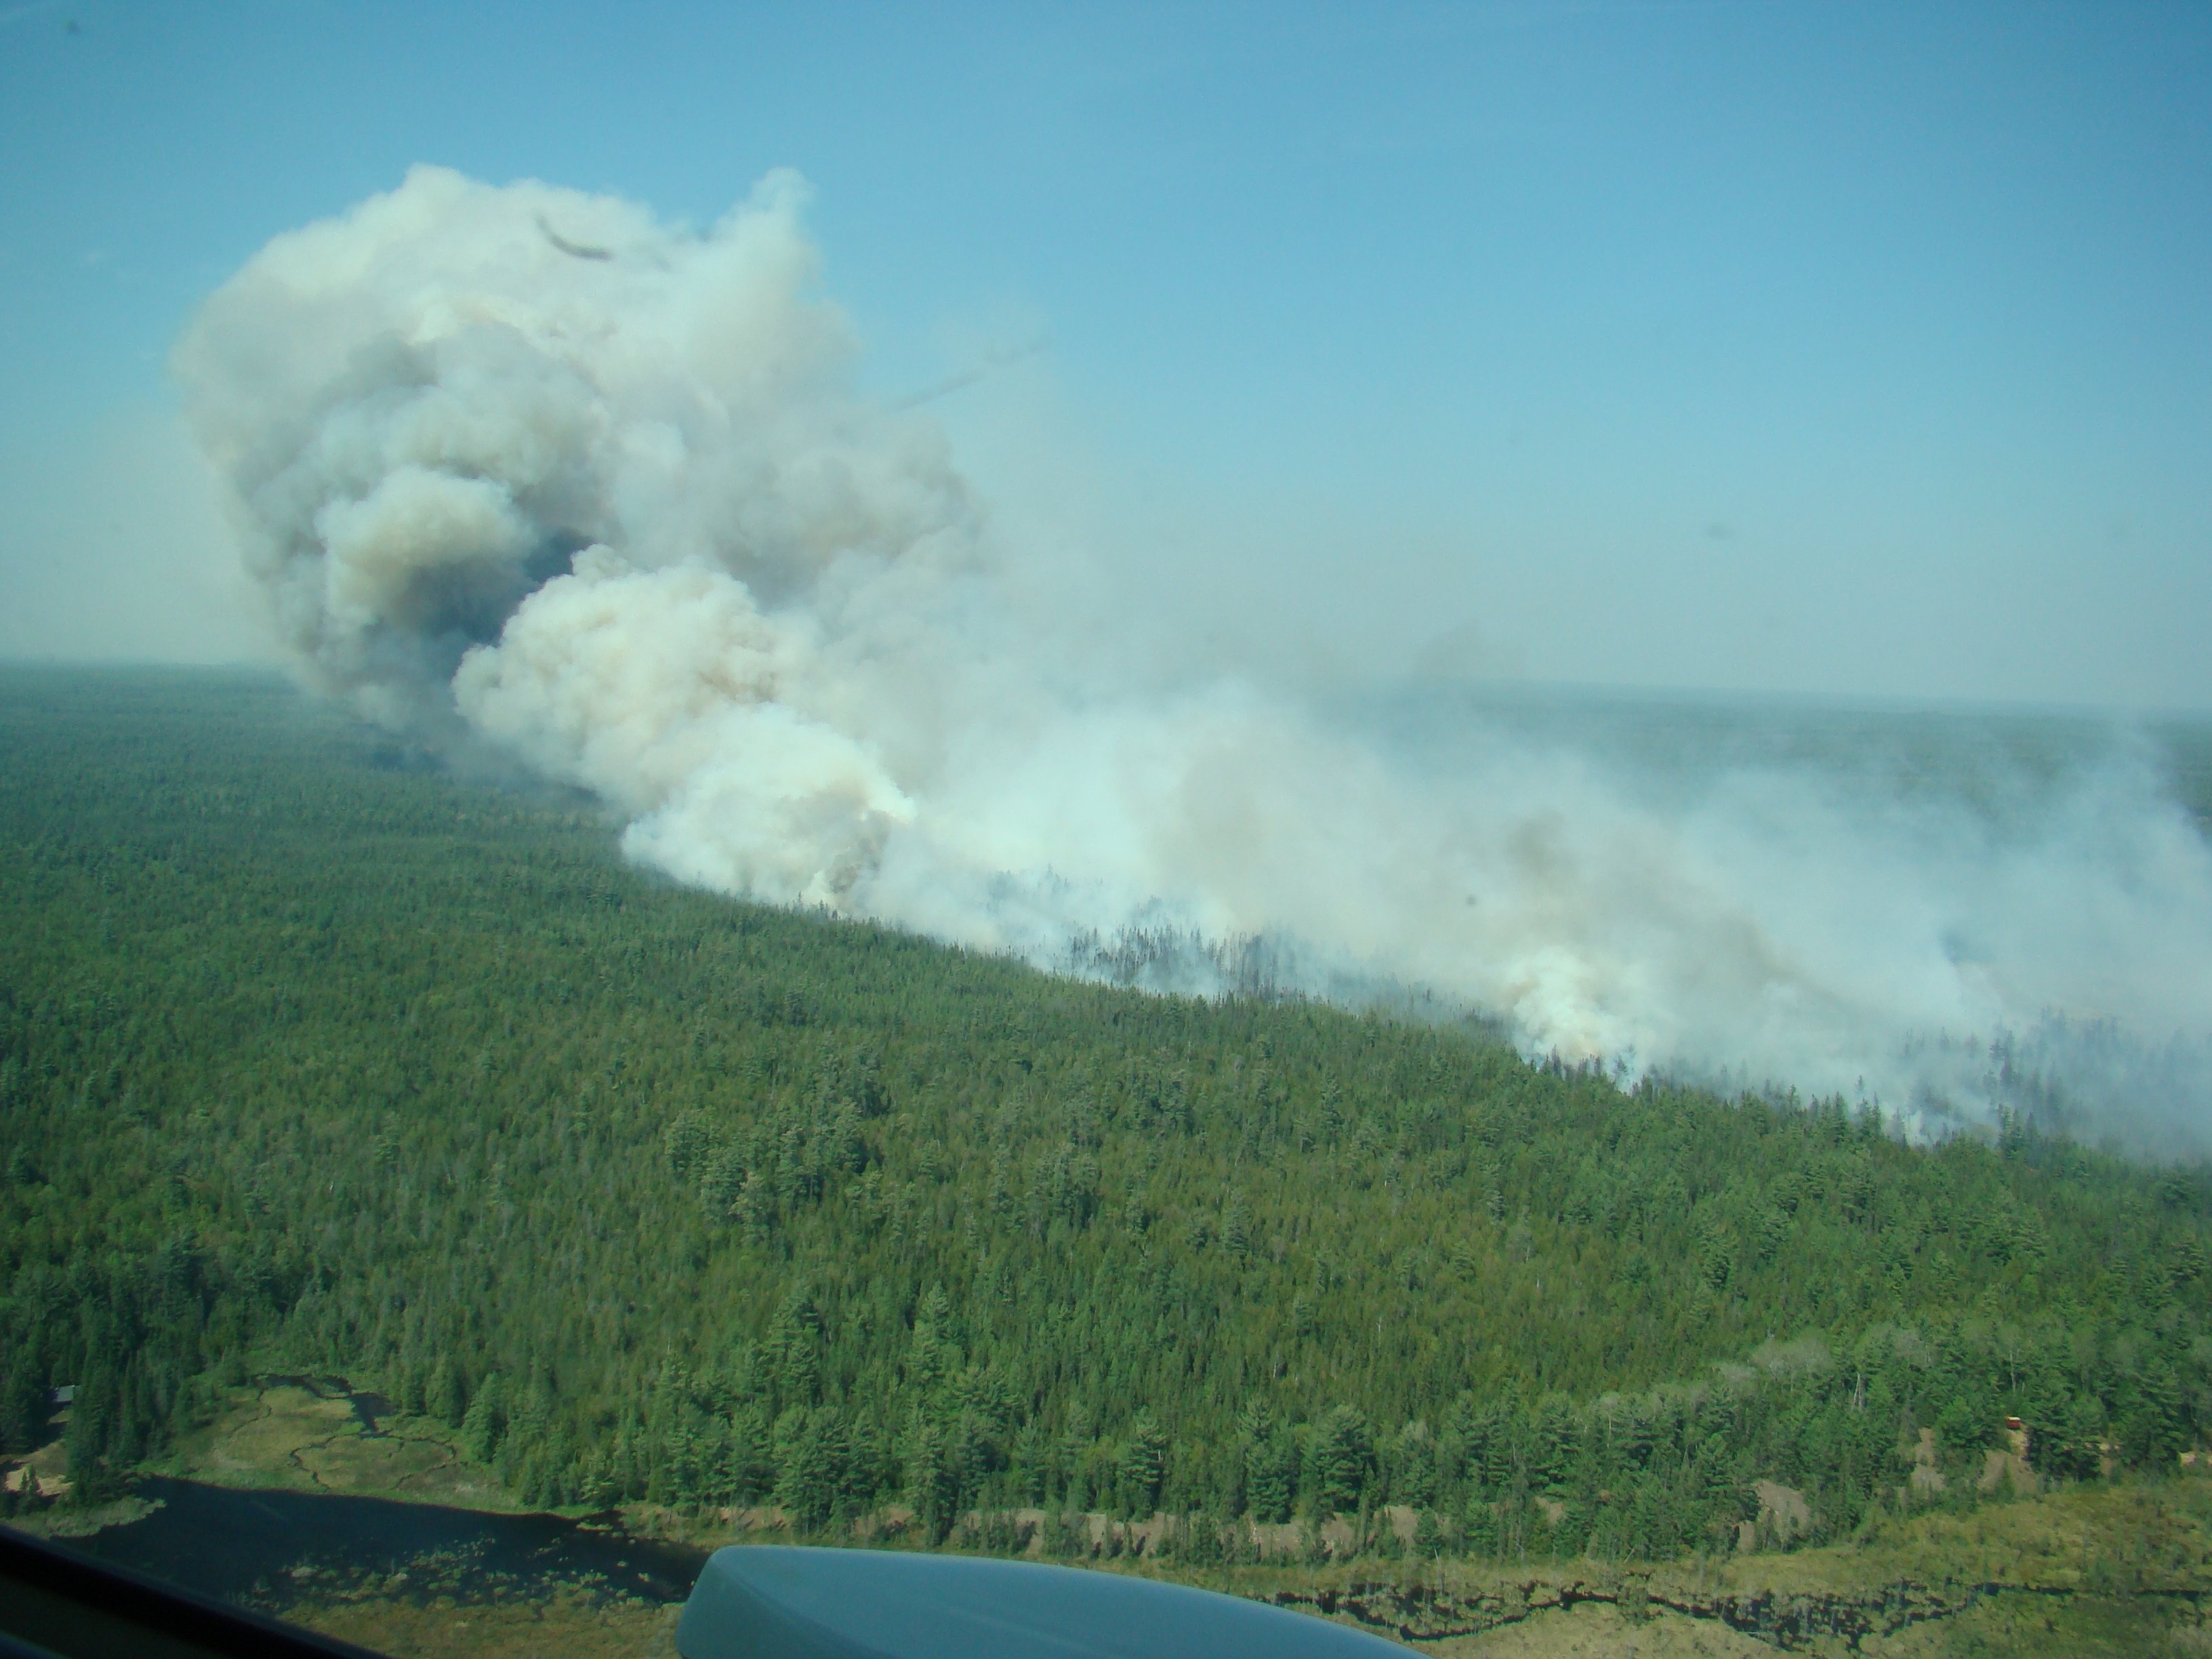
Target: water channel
point(268, 1549)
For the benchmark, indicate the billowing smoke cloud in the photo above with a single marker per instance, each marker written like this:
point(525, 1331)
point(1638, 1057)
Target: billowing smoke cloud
point(526, 468)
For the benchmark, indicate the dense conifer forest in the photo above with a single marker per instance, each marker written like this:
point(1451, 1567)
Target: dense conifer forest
point(314, 1058)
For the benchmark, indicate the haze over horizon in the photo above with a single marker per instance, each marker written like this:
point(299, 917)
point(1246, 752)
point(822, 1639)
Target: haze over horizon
point(1841, 353)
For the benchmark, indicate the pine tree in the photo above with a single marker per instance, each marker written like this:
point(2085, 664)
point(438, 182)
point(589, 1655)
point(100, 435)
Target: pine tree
point(485, 1421)
point(810, 1460)
point(444, 1396)
point(1341, 1457)
point(932, 1482)
point(1144, 1465)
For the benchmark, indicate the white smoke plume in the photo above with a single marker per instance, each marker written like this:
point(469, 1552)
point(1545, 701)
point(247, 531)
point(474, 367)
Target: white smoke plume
point(525, 467)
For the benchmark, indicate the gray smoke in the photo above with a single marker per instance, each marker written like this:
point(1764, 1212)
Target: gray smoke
point(522, 467)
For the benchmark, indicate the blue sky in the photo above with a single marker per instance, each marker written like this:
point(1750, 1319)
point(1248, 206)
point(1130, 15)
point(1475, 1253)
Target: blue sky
point(1853, 350)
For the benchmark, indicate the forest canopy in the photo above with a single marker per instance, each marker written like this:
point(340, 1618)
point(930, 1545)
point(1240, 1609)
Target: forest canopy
point(315, 1058)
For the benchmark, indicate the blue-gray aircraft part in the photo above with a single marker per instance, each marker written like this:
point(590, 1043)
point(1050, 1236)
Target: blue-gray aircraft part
point(777, 1601)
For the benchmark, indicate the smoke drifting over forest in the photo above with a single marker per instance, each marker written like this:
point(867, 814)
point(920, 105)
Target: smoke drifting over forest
point(525, 469)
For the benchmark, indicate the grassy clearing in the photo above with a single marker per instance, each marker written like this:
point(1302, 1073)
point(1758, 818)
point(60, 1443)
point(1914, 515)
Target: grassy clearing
point(2146, 1538)
point(569, 1626)
point(291, 1438)
point(2124, 1570)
